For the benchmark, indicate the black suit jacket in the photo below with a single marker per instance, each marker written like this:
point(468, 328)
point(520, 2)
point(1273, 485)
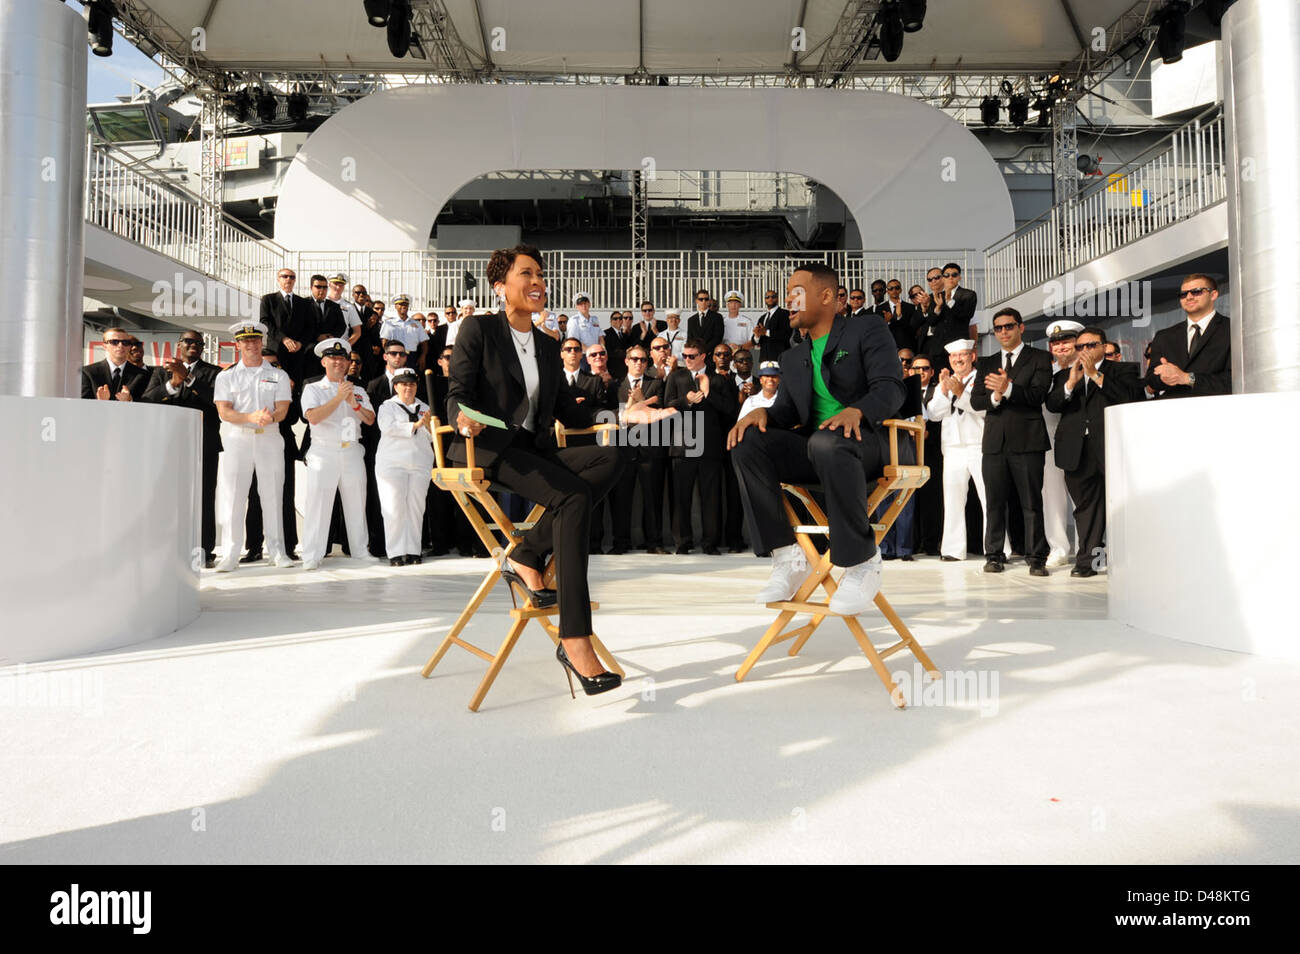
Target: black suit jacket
point(598, 394)
point(717, 412)
point(296, 321)
point(710, 329)
point(777, 340)
point(650, 387)
point(1016, 425)
point(487, 376)
point(859, 367)
point(135, 380)
point(617, 344)
point(902, 327)
point(1119, 385)
point(200, 396)
point(1212, 362)
point(950, 323)
point(332, 323)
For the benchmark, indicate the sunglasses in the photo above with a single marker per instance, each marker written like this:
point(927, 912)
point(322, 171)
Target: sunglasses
point(192, 341)
point(952, 274)
point(1192, 291)
point(116, 342)
point(647, 311)
point(403, 353)
point(894, 288)
point(596, 354)
point(445, 357)
point(292, 278)
point(702, 299)
point(690, 355)
point(1003, 327)
point(856, 297)
point(1090, 344)
point(921, 367)
point(571, 348)
point(320, 286)
point(933, 278)
point(722, 354)
point(658, 347)
point(637, 359)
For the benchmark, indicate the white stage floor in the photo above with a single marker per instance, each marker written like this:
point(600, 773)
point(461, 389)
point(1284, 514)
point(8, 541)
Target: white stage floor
point(290, 724)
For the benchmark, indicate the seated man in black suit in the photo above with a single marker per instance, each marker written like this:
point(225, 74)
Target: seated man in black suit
point(114, 378)
point(1194, 357)
point(189, 381)
point(1010, 387)
point(1080, 394)
point(837, 386)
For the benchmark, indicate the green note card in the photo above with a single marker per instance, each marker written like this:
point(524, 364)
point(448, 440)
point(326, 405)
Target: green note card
point(485, 419)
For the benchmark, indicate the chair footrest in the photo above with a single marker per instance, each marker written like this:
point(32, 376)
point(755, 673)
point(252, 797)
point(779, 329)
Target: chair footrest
point(794, 606)
point(530, 612)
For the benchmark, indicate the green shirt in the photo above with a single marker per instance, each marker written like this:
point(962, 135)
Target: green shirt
point(824, 404)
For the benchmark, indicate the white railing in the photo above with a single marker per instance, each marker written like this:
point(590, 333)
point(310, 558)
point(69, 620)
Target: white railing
point(437, 279)
point(1174, 180)
point(144, 208)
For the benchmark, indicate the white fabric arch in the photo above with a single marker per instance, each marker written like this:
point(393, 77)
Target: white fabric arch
point(376, 174)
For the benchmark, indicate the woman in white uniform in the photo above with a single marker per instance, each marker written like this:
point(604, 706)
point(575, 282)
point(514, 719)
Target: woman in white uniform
point(403, 464)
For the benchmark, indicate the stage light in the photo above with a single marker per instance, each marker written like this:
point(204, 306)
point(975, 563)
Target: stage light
point(267, 105)
point(1088, 165)
point(990, 107)
point(913, 14)
point(1215, 9)
point(1172, 31)
point(1018, 109)
point(99, 26)
point(1044, 108)
point(297, 107)
point(891, 32)
point(240, 106)
point(377, 12)
point(399, 27)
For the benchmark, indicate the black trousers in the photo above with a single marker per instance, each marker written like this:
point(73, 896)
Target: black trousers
point(1087, 487)
point(846, 468)
point(374, 513)
point(567, 482)
point(1024, 472)
point(208, 505)
point(732, 529)
point(707, 472)
point(929, 497)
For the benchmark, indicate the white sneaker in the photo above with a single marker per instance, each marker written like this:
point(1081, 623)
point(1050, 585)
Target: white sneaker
point(1057, 559)
point(789, 569)
point(226, 565)
point(858, 587)
point(282, 560)
point(311, 564)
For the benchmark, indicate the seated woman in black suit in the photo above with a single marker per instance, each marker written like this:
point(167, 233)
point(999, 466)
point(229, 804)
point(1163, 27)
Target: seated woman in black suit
point(505, 367)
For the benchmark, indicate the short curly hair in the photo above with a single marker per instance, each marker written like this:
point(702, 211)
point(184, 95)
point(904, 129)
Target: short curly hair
point(503, 258)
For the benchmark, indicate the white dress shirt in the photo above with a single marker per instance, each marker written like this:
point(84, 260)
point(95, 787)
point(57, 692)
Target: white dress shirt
point(1203, 324)
point(250, 389)
point(1007, 366)
point(409, 332)
point(343, 425)
point(189, 379)
point(528, 361)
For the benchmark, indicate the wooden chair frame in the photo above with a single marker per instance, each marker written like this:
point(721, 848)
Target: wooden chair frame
point(904, 478)
point(468, 485)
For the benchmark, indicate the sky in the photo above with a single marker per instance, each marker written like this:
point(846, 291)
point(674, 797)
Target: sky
point(108, 77)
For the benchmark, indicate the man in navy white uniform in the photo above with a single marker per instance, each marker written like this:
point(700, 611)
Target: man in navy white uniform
point(252, 398)
point(335, 410)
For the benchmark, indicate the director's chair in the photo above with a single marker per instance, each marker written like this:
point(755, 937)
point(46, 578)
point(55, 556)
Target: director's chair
point(902, 479)
point(472, 492)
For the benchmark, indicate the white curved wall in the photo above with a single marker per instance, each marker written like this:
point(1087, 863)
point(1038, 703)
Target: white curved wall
point(376, 174)
point(101, 523)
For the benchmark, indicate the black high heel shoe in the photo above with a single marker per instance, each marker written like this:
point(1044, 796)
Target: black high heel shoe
point(591, 685)
point(542, 599)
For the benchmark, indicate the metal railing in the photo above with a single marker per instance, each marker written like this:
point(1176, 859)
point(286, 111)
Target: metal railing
point(1172, 181)
point(437, 279)
point(147, 209)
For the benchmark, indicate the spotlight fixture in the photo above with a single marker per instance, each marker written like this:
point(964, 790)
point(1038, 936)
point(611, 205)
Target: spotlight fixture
point(913, 14)
point(1044, 108)
point(1172, 31)
point(240, 106)
point(399, 27)
point(267, 106)
point(297, 107)
point(891, 31)
point(990, 107)
point(99, 26)
point(1018, 109)
point(1088, 165)
point(1215, 9)
point(377, 12)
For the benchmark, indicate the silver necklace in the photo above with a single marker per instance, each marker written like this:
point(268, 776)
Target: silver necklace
point(524, 341)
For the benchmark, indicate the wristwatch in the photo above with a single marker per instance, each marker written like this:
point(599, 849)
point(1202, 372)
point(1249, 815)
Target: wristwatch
point(1191, 379)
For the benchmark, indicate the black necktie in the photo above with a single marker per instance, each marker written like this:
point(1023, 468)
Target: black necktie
point(1196, 340)
point(1006, 361)
point(413, 415)
point(117, 382)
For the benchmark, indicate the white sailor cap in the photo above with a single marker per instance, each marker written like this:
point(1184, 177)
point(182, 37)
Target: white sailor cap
point(961, 344)
point(735, 296)
point(1064, 328)
point(582, 296)
point(674, 312)
point(333, 348)
point(338, 278)
point(770, 367)
point(248, 329)
point(405, 376)
point(401, 297)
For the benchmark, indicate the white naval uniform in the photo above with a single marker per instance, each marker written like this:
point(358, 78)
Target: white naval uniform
point(676, 341)
point(335, 462)
point(248, 450)
point(738, 331)
point(409, 332)
point(755, 401)
point(1056, 499)
point(351, 313)
point(962, 439)
point(403, 464)
point(586, 330)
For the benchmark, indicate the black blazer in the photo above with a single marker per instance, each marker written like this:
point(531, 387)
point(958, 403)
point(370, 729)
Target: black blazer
point(710, 329)
point(135, 380)
point(650, 387)
point(777, 340)
point(487, 376)
point(950, 323)
point(717, 411)
point(331, 323)
point(1119, 385)
point(598, 394)
point(904, 327)
point(297, 322)
point(1211, 363)
point(199, 396)
point(860, 368)
point(1016, 425)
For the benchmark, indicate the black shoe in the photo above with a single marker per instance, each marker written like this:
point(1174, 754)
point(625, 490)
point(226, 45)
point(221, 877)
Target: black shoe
point(907, 558)
point(738, 548)
point(591, 685)
point(1083, 571)
point(252, 556)
point(949, 559)
point(397, 561)
point(209, 562)
point(413, 558)
point(992, 566)
point(683, 549)
point(654, 549)
point(1037, 569)
point(440, 551)
point(711, 551)
point(541, 599)
point(889, 556)
point(617, 551)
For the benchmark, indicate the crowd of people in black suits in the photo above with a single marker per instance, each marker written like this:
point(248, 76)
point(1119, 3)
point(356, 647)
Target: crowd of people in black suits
point(718, 366)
